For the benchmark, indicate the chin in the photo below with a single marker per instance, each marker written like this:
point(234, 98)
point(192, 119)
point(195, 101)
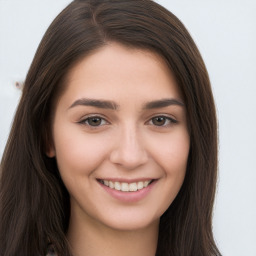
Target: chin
point(131, 223)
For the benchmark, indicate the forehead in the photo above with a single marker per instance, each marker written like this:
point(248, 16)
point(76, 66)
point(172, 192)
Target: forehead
point(116, 69)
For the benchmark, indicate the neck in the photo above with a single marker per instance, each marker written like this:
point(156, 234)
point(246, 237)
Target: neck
point(96, 239)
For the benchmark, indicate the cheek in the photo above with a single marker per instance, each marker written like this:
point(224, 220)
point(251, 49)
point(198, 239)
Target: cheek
point(172, 153)
point(173, 161)
point(178, 152)
point(78, 153)
point(171, 156)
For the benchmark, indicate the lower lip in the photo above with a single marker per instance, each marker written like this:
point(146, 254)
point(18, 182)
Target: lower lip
point(129, 197)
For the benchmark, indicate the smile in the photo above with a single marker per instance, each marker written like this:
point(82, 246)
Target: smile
point(126, 187)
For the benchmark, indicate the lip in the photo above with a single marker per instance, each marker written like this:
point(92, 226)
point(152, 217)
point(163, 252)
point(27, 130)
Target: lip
point(129, 197)
point(126, 180)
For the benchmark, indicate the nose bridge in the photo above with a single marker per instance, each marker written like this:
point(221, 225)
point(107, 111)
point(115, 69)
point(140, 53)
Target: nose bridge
point(129, 151)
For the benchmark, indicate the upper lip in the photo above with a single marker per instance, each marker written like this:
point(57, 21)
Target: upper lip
point(126, 180)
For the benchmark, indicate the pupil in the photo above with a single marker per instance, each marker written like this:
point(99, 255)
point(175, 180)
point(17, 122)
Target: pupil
point(159, 121)
point(94, 121)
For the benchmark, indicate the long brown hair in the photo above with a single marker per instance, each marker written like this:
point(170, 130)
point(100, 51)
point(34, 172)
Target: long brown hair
point(34, 204)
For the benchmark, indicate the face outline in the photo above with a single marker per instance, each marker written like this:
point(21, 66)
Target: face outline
point(120, 119)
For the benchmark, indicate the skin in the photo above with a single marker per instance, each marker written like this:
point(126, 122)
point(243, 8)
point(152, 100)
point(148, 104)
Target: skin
point(128, 142)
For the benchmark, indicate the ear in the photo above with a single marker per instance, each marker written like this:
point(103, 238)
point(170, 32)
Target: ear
point(50, 150)
point(49, 145)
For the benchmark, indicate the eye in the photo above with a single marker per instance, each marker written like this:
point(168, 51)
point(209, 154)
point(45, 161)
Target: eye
point(162, 121)
point(94, 121)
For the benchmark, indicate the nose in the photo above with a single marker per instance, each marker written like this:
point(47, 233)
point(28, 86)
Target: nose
point(129, 151)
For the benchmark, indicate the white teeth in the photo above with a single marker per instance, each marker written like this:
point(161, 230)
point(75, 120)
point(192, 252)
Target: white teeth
point(111, 184)
point(145, 184)
point(126, 187)
point(117, 186)
point(140, 185)
point(133, 187)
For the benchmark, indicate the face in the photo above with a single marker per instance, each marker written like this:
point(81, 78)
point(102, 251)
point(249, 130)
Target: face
point(120, 138)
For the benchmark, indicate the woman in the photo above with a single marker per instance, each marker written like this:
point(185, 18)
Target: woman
point(113, 149)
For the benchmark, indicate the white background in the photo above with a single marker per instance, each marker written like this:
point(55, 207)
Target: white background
point(225, 32)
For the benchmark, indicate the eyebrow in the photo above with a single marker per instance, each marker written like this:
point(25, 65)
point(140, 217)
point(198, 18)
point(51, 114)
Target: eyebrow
point(95, 103)
point(106, 104)
point(163, 103)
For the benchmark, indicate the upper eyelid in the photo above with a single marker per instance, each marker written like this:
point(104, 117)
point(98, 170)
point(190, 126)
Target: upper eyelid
point(168, 116)
point(93, 115)
point(171, 120)
point(82, 119)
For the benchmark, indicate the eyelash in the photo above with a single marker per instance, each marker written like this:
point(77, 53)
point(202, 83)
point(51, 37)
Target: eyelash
point(87, 119)
point(171, 121)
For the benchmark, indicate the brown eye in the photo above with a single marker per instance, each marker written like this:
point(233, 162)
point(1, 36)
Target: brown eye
point(162, 121)
point(94, 121)
point(159, 120)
